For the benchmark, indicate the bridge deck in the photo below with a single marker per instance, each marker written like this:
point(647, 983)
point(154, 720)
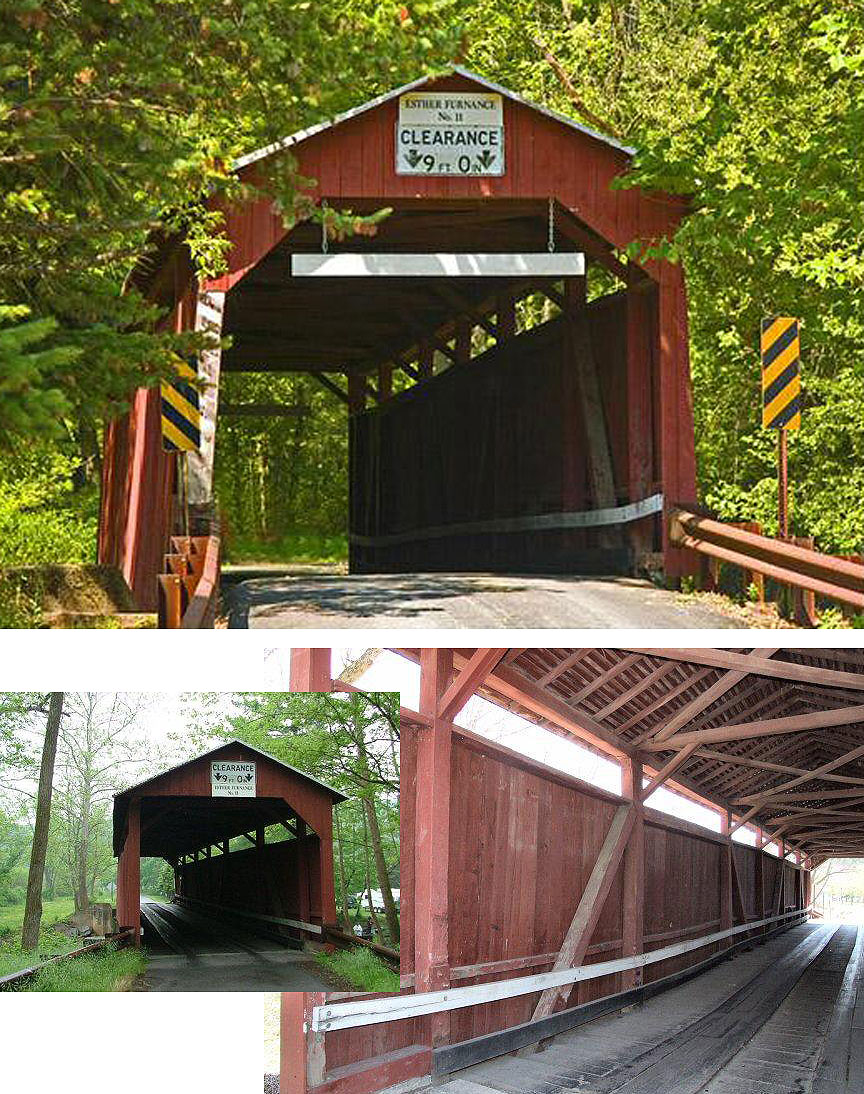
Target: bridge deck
point(785, 1018)
point(280, 599)
point(189, 951)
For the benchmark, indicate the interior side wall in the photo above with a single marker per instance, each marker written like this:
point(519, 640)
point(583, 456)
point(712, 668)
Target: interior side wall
point(500, 437)
point(515, 838)
point(278, 879)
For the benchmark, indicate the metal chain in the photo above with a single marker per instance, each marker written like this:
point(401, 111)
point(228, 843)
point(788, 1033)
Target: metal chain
point(324, 241)
point(551, 241)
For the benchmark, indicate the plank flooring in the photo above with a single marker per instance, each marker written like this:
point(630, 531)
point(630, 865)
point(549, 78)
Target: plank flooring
point(785, 1018)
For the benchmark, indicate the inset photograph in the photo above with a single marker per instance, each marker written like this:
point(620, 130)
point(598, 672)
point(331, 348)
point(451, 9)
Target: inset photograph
point(199, 842)
point(631, 870)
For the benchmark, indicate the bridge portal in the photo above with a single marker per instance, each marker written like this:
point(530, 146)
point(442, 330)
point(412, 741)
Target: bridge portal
point(249, 838)
point(519, 421)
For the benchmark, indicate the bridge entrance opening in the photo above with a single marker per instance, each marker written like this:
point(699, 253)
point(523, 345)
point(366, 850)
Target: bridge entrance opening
point(249, 840)
point(521, 422)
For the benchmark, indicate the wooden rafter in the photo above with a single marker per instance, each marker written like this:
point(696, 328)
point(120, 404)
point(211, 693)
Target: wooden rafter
point(727, 681)
point(779, 670)
point(839, 761)
point(796, 723)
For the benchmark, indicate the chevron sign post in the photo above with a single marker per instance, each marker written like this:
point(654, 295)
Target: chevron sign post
point(232, 779)
point(780, 346)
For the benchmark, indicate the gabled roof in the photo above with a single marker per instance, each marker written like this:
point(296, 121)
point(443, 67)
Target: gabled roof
point(337, 795)
point(454, 70)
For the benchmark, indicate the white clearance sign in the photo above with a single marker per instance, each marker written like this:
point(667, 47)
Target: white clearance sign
point(450, 133)
point(230, 779)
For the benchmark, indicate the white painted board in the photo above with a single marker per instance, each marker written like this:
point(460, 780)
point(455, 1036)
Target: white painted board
point(540, 264)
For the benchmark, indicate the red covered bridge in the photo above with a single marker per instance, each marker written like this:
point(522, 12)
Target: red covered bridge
point(512, 445)
point(557, 936)
point(250, 840)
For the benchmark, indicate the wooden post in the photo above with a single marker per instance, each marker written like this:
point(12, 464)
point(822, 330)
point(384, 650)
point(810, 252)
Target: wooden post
point(209, 312)
point(464, 331)
point(426, 361)
point(505, 315)
point(641, 319)
point(726, 916)
point(310, 670)
point(385, 382)
point(633, 896)
point(302, 1064)
point(356, 392)
point(677, 441)
point(129, 873)
point(432, 839)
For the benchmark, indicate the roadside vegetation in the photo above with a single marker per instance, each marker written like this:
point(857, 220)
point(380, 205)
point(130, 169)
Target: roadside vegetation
point(750, 110)
point(361, 968)
point(109, 970)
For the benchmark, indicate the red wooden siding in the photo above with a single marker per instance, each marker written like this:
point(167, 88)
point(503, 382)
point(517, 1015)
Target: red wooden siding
point(264, 879)
point(278, 879)
point(355, 161)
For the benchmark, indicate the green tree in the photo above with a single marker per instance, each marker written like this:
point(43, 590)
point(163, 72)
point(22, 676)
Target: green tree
point(754, 110)
point(117, 123)
point(349, 741)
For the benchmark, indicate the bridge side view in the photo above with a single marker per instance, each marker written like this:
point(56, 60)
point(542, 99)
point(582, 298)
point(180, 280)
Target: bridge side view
point(561, 936)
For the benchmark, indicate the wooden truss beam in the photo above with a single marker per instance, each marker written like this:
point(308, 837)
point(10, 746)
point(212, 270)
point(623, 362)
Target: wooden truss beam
point(814, 795)
point(839, 761)
point(472, 674)
point(670, 767)
point(727, 681)
point(578, 937)
point(796, 723)
point(763, 666)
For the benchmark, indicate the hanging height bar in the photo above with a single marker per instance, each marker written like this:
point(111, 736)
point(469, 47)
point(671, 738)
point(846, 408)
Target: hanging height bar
point(554, 264)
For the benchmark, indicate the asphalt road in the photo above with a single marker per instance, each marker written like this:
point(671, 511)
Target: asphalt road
point(281, 600)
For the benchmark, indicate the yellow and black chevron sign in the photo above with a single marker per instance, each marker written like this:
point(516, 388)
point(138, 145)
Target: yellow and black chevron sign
point(781, 373)
point(181, 415)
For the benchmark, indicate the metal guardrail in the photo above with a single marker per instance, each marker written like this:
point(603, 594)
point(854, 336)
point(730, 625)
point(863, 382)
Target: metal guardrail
point(13, 979)
point(393, 1008)
point(189, 588)
point(802, 568)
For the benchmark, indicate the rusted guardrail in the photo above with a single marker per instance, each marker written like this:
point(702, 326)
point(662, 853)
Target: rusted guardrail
point(14, 979)
point(801, 567)
point(345, 941)
point(189, 589)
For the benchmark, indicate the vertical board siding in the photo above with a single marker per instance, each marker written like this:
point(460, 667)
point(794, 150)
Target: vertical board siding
point(279, 879)
point(682, 877)
point(514, 836)
point(514, 447)
point(522, 848)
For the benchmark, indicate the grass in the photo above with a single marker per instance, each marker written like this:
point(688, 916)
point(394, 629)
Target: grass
point(307, 548)
point(108, 970)
point(361, 968)
point(12, 915)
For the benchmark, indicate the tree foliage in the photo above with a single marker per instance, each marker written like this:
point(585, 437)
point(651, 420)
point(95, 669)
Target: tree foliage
point(754, 110)
point(117, 122)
